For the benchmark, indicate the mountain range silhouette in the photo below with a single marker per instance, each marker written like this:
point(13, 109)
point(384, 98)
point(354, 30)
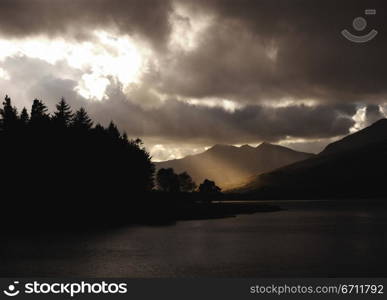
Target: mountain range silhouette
point(230, 166)
point(355, 166)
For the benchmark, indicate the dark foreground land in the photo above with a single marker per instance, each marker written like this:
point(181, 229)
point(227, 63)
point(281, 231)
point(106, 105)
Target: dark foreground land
point(305, 239)
point(152, 208)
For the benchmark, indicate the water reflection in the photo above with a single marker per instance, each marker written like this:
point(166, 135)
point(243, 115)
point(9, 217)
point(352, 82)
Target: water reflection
point(307, 239)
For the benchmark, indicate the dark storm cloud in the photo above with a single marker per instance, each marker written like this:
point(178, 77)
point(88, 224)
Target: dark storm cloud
point(252, 52)
point(181, 122)
point(74, 18)
point(175, 121)
point(313, 60)
point(372, 114)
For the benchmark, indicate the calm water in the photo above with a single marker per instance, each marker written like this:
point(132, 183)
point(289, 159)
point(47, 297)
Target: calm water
point(308, 239)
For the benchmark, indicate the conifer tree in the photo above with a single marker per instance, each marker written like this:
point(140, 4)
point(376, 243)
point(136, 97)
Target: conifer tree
point(99, 128)
point(24, 118)
point(63, 114)
point(113, 131)
point(81, 120)
point(8, 114)
point(38, 111)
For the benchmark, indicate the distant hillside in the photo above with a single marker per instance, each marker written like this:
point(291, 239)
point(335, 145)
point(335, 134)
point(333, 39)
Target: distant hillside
point(229, 165)
point(355, 166)
point(373, 134)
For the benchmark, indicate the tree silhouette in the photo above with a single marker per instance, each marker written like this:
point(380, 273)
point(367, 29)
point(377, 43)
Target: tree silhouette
point(81, 120)
point(8, 114)
point(24, 117)
point(59, 165)
point(113, 131)
point(124, 138)
point(186, 183)
point(39, 112)
point(91, 161)
point(63, 114)
point(209, 187)
point(61, 169)
point(167, 180)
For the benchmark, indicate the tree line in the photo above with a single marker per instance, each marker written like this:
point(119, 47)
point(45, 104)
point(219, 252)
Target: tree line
point(62, 169)
point(169, 181)
point(69, 152)
point(66, 155)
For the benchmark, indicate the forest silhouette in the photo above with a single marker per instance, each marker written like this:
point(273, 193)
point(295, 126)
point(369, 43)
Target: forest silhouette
point(64, 152)
point(61, 165)
point(61, 169)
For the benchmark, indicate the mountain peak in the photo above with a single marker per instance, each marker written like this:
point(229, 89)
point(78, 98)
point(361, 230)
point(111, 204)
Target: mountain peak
point(220, 146)
point(351, 167)
point(265, 145)
point(229, 165)
point(246, 146)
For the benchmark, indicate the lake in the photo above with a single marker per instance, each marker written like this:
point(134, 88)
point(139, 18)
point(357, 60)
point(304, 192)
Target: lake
point(306, 239)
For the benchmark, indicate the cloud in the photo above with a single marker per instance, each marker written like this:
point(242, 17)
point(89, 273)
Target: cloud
point(245, 51)
point(177, 121)
point(216, 71)
point(76, 19)
point(31, 78)
point(372, 114)
point(177, 129)
point(268, 50)
point(171, 123)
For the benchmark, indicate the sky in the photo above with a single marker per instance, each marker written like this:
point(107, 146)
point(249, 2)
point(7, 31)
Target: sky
point(184, 75)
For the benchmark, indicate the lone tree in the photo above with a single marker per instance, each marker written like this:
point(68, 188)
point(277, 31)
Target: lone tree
point(209, 187)
point(186, 182)
point(168, 180)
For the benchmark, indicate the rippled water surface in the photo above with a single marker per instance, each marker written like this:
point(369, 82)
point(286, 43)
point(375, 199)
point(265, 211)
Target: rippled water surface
point(324, 238)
